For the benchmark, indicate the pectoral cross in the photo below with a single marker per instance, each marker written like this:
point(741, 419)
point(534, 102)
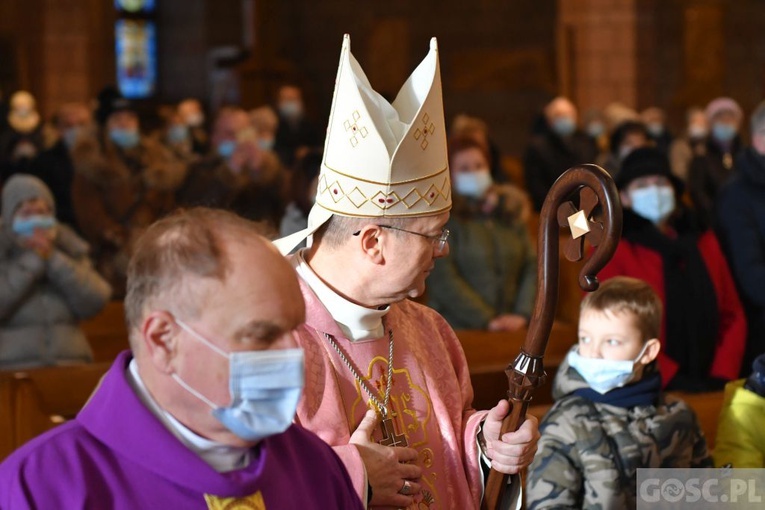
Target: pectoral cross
point(390, 438)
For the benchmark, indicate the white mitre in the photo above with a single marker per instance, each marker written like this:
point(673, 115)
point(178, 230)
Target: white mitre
point(382, 160)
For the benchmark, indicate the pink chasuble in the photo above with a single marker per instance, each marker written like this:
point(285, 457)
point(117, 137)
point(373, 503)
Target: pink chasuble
point(430, 399)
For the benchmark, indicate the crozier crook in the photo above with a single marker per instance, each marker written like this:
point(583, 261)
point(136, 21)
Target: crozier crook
point(598, 219)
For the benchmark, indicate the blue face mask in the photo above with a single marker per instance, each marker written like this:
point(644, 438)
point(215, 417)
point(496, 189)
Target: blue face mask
point(723, 132)
point(595, 129)
point(26, 227)
point(265, 389)
point(124, 138)
point(266, 144)
point(70, 136)
point(604, 375)
point(654, 203)
point(178, 133)
point(226, 149)
point(472, 184)
point(564, 126)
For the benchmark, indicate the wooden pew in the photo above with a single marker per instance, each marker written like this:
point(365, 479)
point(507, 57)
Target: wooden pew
point(707, 407)
point(488, 353)
point(7, 425)
point(107, 332)
point(38, 399)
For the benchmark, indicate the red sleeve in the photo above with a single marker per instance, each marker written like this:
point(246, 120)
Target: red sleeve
point(732, 336)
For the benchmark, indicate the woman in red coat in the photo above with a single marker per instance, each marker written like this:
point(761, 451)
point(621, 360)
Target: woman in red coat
point(704, 327)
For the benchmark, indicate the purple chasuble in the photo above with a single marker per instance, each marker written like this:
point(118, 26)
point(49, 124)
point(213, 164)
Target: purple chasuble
point(117, 455)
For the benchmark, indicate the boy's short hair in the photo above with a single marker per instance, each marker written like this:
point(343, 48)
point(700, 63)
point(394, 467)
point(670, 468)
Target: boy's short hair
point(624, 294)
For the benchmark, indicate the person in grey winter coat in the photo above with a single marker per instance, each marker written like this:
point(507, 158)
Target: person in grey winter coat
point(488, 279)
point(47, 282)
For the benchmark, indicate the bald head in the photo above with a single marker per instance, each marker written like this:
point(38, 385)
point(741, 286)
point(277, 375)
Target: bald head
point(179, 258)
point(560, 107)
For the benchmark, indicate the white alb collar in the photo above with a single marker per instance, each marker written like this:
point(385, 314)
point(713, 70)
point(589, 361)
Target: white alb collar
point(355, 321)
point(221, 457)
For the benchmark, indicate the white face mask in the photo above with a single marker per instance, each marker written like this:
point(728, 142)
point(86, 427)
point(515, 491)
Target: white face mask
point(696, 132)
point(654, 203)
point(195, 119)
point(265, 389)
point(472, 184)
point(604, 375)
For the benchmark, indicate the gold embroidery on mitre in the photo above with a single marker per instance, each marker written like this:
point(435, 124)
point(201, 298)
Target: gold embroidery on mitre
point(428, 129)
point(252, 502)
point(355, 129)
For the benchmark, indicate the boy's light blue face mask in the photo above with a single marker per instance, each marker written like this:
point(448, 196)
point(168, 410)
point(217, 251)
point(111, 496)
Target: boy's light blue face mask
point(25, 227)
point(604, 375)
point(265, 389)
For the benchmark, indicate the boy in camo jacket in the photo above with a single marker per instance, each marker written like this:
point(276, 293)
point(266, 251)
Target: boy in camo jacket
point(610, 417)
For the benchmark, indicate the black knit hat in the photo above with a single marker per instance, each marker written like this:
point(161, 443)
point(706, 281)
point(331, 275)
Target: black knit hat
point(110, 101)
point(643, 162)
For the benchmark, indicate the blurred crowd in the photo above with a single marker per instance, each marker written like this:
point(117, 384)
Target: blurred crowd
point(693, 229)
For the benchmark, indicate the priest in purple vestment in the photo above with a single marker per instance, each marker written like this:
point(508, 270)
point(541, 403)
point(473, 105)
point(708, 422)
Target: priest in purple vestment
point(200, 413)
point(387, 383)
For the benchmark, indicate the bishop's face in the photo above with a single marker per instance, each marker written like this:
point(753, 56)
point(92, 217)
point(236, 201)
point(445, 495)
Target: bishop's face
point(410, 257)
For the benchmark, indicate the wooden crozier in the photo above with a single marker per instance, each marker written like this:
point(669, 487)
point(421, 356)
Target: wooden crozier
point(598, 218)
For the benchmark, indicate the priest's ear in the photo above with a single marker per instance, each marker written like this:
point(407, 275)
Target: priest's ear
point(367, 239)
point(159, 339)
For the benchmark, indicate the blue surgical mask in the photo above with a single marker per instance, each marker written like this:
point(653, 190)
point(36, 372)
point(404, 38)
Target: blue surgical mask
point(265, 389)
point(266, 144)
point(723, 132)
point(226, 149)
point(654, 203)
point(595, 129)
point(564, 126)
point(26, 227)
point(124, 138)
point(178, 133)
point(604, 375)
point(70, 136)
point(472, 184)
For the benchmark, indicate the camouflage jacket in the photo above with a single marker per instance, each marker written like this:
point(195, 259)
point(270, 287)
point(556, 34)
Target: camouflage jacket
point(589, 453)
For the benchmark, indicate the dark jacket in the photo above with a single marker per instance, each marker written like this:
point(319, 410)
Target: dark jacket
point(54, 167)
point(548, 156)
point(741, 218)
point(293, 134)
point(707, 174)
